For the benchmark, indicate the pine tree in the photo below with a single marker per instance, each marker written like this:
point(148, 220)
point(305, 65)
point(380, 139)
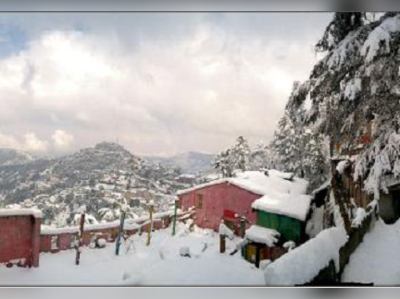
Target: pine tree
point(240, 154)
point(223, 163)
point(341, 25)
point(287, 145)
point(315, 160)
point(262, 157)
point(234, 158)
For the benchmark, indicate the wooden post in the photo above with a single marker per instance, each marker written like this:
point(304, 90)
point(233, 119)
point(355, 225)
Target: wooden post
point(257, 262)
point(80, 240)
point(120, 232)
point(222, 241)
point(242, 221)
point(175, 212)
point(151, 209)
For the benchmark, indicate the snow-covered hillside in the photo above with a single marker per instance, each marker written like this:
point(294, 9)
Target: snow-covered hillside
point(13, 157)
point(100, 178)
point(190, 162)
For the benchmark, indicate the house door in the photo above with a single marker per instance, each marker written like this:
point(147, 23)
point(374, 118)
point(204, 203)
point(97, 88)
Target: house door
point(251, 253)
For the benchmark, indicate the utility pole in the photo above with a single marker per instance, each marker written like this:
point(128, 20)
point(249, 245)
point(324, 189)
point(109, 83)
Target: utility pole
point(120, 232)
point(80, 241)
point(151, 210)
point(175, 215)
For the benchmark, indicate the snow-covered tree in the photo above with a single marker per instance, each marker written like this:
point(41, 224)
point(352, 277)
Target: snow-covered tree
point(234, 158)
point(262, 157)
point(223, 163)
point(113, 212)
point(300, 150)
point(288, 146)
point(315, 163)
point(341, 25)
point(240, 154)
point(352, 98)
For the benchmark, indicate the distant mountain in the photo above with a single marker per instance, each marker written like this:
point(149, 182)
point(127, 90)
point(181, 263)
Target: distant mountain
point(98, 177)
point(189, 162)
point(13, 157)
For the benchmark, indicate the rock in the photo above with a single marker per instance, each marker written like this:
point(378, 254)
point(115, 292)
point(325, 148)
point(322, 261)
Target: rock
point(184, 251)
point(101, 243)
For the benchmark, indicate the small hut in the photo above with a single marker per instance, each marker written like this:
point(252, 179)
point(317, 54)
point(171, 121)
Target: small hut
point(280, 225)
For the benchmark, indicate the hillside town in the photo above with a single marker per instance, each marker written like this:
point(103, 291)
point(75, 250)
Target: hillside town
point(317, 205)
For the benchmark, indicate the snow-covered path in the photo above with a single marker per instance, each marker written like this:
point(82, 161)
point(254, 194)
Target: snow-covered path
point(158, 264)
point(377, 259)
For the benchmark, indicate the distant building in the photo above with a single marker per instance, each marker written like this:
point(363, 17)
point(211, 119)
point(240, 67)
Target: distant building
point(186, 179)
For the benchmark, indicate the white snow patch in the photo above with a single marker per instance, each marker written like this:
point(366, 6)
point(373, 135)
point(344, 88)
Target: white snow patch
point(143, 265)
point(361, 214)
point(226, 231)
point(377, 258)
point(342, 165)
point(348, 46)
point(316, 224)
point(289, 245)
point(380, 35)
point(352, 88)
point(307, 103)
point(262, 235)
point(303, 263)
point(20, 212)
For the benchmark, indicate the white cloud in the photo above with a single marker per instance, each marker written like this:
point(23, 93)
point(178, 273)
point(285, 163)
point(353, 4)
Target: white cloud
point(34, 144)
point(195, 92)
point(62, 139)
point(8, 141)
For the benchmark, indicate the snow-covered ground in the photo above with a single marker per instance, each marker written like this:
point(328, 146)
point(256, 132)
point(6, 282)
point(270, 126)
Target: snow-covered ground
point(377, 259)
point(157, 264)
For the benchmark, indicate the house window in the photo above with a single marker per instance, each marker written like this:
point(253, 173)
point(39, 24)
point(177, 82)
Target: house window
point(199, 201)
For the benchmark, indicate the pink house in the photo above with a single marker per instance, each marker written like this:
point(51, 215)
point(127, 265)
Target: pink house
point(229, 199)
point(226, 199)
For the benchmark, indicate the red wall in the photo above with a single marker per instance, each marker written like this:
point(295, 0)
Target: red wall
point(64, 239)
point(19, 239)
point(216, 199)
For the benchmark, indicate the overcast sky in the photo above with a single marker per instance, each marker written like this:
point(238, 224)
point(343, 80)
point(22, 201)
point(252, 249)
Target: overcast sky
point(160, 84)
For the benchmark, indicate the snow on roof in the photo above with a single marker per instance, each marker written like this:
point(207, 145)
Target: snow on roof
point(257, 182)
point(291, 205)
point(20, 212)
point(225, 231)
point(262, 235)
point(284, 197)
point(187, 175)
point(302, 264)
point(129, 224)
point(280, 194)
